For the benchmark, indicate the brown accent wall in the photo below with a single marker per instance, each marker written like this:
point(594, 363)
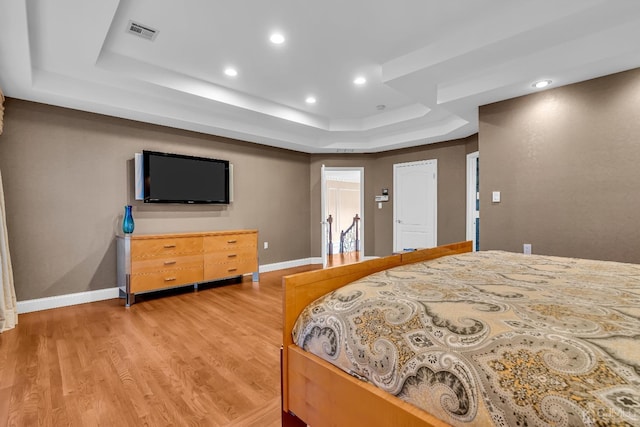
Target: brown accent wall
point(452, 188)
point(341, 160)
point(378, 174)
point(567, 163)
point(67, 175)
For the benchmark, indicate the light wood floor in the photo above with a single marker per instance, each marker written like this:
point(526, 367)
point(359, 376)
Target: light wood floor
point(340, 259)
point(206, 358)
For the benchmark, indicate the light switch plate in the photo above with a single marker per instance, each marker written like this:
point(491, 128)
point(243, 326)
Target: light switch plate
point(495, 197)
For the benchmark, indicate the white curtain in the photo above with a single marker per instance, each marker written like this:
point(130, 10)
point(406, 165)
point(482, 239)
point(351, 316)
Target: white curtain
point(8, 305)
point(1, 109)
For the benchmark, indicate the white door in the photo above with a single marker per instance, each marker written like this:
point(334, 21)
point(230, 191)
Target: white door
point(415, 205)
point(323, 220)
point(473, 200)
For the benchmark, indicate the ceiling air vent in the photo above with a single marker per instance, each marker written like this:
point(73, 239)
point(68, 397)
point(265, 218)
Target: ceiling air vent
point(142, 31)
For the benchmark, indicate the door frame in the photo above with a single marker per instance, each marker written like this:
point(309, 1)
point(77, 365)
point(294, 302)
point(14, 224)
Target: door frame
point(324, 171)
point(396, 166)
point(472, 213)
point(323, 220)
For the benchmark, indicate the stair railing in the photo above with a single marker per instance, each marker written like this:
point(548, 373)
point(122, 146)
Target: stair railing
point(350, 238)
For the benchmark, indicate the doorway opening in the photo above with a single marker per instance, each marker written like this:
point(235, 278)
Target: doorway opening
point(342, 214)
point(473, 199)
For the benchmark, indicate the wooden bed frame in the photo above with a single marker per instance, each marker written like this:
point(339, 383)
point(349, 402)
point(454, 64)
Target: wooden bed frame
point(316, 393)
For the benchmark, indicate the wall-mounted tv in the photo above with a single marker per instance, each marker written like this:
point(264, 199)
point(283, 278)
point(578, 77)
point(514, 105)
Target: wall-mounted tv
point(176, 178)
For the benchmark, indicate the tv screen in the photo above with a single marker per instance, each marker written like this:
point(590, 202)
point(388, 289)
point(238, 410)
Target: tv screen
point(175, 178)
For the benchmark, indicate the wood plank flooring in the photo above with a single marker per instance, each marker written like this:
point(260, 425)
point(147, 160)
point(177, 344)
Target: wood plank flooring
point(345, 258)
point(206, 358)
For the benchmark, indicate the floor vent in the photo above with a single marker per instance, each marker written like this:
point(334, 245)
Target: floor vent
point(142, 31)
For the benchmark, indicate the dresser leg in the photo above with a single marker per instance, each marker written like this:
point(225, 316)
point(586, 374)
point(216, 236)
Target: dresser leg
point(130, 300)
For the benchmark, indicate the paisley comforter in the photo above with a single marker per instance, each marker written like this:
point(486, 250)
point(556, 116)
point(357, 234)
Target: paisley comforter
point(491, 338)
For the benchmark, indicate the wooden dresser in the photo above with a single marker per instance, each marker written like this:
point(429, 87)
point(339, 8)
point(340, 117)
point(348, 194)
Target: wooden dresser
point(150, 262)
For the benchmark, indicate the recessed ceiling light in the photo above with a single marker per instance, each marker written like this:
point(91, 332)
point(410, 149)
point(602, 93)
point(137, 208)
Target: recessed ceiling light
point(310, 100)
point(359, 81)
point(542, 83)
point(231, 72)
point(276, 38)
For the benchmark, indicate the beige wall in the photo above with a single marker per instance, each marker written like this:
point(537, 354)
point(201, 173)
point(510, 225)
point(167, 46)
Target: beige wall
point(67, 175)
point(567, 163)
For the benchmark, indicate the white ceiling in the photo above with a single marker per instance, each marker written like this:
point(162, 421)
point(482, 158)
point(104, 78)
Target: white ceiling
point(431, 63)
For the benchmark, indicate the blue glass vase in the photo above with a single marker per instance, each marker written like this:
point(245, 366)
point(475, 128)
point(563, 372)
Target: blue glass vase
point(127, 221)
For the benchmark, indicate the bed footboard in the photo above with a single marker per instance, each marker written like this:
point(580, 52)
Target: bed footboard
point(321, 394)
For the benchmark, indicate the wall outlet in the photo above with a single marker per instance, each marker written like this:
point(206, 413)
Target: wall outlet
point(527, 248)
point(266, 245)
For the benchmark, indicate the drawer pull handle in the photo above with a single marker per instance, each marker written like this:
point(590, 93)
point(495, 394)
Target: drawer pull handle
point(169, 246)
point(232, 241)
point(169, 262)
point(232, 269)
point(170, 279)
point(232, 255)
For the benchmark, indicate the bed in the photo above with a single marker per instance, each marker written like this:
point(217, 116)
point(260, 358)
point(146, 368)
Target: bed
point(445, 336)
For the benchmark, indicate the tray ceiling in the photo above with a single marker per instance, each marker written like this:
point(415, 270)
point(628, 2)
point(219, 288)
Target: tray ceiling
point(428, 64)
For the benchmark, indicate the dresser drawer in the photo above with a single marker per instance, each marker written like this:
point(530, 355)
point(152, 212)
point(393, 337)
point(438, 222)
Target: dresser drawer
point(230, 241)
point(165, 279)
point(167, 262)
point(161, 261)
point(230, 255)
point(153, 248)
point(213, 271)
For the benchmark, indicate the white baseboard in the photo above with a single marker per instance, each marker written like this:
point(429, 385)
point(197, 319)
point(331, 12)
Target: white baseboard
point(58, 301)
point(66, 300)
point(289, 264)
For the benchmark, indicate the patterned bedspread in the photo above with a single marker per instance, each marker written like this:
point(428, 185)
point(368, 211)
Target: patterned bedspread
point(491, 338)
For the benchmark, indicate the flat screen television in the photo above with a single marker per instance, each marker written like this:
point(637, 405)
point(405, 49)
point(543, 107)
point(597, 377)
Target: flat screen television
point(176, 178)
